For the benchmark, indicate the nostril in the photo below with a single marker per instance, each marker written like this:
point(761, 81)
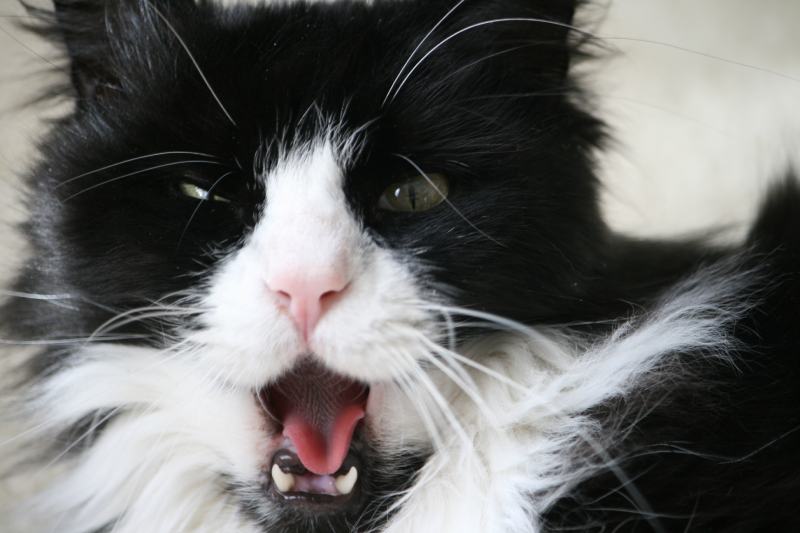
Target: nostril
point(306, 298)
point(327, 299)
point(327, 295)
point(284, 298)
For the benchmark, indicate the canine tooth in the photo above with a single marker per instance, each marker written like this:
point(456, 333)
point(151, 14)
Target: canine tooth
point(283, 481)
point(345, 483)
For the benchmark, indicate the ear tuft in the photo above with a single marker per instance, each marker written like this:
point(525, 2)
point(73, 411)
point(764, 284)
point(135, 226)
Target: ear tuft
point(83, 26)
point(104, 39)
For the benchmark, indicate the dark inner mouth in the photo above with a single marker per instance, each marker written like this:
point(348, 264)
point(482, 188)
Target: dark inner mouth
point(318, 412)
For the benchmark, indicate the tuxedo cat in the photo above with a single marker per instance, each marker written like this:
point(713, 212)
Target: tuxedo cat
point(340, 267)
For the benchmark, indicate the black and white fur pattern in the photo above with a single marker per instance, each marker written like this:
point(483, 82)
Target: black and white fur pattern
point(529, 370)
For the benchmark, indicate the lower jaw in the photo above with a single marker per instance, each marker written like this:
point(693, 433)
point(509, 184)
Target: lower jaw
point(384, 475)
point(303, 404)
point(295, 488)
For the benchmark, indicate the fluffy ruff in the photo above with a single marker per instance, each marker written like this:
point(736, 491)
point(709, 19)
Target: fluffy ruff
point(510, 440)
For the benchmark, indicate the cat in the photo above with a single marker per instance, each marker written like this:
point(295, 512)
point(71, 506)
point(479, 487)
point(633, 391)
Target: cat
point(341, 267)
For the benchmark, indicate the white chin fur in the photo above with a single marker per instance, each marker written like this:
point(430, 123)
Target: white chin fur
point(505, 446)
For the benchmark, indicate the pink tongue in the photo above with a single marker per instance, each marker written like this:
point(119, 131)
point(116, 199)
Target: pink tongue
point(319, 412)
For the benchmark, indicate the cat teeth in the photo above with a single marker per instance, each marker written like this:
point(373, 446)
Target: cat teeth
point(286, 482)
point(345, 483)
point(283, 482)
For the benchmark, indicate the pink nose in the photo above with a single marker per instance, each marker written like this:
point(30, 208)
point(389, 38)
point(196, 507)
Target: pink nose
point(308, 296)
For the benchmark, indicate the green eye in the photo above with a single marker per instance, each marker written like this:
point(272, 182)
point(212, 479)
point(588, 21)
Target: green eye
point(415, 195)
point(191, 190)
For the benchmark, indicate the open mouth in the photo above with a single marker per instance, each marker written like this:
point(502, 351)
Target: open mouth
point(318, 413)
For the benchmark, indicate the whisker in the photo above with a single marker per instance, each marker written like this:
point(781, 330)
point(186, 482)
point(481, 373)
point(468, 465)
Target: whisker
point(451, 330)
point(85, 435)
point(467, 385)
point(589, 35)
point(194, 61)
point(484, 58)
point(149, 169)
point(403, 381)
point(25, 46)
point(141, 314)
point(447, 200)
point(476, 26)
point(56, 299)
point(509, 325)
point(416, 49)
point(462, 375)
point(132, 160)
point(702, 54)
point(200, 204)
point(461, 359)
point(440, 402)
point(67, 342)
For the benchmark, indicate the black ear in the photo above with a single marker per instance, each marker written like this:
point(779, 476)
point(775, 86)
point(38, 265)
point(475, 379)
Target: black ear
point(84, 27)
point(106, 39)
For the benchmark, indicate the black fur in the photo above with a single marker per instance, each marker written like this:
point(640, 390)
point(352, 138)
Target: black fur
point(715, 453)
point(495, 110)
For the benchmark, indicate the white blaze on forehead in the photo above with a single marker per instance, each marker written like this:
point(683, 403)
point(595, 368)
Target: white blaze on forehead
point(307, 227)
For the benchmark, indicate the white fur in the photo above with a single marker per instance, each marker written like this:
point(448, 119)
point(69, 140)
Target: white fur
point(537, 442)
point(518, 438)
point(248, 340)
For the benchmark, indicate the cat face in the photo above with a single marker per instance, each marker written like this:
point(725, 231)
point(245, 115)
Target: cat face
point(303, 208)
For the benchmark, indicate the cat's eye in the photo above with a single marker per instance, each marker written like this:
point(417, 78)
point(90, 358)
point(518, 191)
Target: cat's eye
point(192, 190)
point(415, 195)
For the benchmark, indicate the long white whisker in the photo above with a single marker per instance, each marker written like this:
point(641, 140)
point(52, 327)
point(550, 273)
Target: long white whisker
point(441, 403)
point(132, 160)
point(475, 26)
point(405, 385)
point(194, 61)
point(510, 325)
point(66, 342)
point(25, 46)
point(707, 55)
point(482, 59)
point(416, 49)
point(200, 204)
point(447, 200)
point(140, 314)
point(457, 357)
point(149, 169)
point(86, 434)
point(467, 386)
point(117, 324)
point(460, 359)
point(35, 296)
point(450, 368)
point(451, 330)
point(55, 299)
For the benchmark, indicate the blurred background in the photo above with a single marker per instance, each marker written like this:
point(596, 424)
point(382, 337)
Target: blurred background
point(696, 138)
